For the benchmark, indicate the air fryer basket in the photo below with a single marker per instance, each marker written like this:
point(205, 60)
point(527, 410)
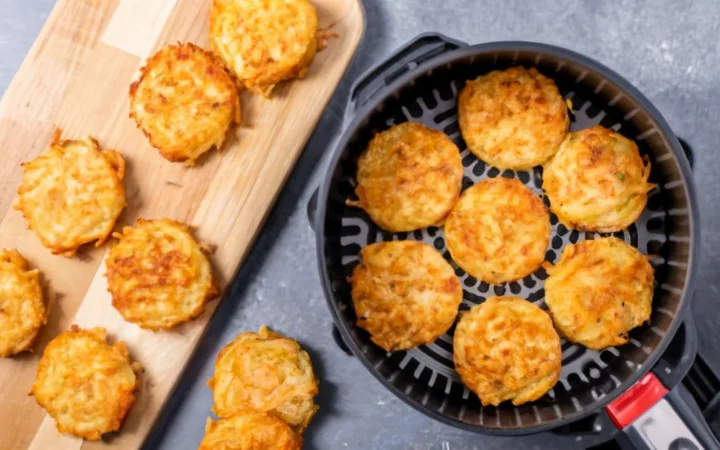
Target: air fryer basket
point(425, 377)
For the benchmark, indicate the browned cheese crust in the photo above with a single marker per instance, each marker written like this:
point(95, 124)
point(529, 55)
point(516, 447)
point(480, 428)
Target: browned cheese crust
point(267, 372)
point(405, 294)
point(22, 310)
point(498, 231)
point(250, 430)
point(598, 291)
point(409, 177)
point(85, 384)
point(507, 349)
point(264, 41)
point(72, 194)
point(158, 274)
point(512, 119)
point(597, 181)
point(184, 101)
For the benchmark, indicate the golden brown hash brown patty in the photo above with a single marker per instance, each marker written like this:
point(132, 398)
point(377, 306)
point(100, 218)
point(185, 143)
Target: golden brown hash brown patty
point(158, 274)
point(507, 349)
point(264, 41)
point(597, 181)
point(22, 311)
point(265, 372)
point(598, 291)
point(498, 231)
point(405, 294)
point(512, 119)
point(72, 194)
point(409, 177)
point(184, 101)
point(250, 430)
point(86, 385)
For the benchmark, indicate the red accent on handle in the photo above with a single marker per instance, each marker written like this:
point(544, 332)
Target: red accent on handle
point(636, 400)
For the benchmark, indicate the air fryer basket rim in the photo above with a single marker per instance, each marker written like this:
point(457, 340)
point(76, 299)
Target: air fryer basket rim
point(549, 51)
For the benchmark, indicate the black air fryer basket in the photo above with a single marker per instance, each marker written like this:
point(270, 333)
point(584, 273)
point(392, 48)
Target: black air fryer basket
point(420, 83)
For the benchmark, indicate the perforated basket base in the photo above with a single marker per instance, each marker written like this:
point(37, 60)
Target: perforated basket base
point(426, 375)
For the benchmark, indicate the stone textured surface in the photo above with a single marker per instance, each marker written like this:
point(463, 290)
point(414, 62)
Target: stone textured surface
point(667, 48)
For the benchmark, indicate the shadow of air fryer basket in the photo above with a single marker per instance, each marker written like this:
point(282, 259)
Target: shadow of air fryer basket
point(635, 388)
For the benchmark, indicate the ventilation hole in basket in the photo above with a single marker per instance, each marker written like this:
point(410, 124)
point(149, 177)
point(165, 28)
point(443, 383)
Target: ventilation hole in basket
point(557, 242)
point(499, 290)
point(550, 256)
point(483, 287)
point(451, 129)
point(493, 172)
point(508, 174)
point(515, 288)
point(656, 225)
point(469, 159)
point(478, 168)
point(529, 281)
point(439, 243)
point(524, 177)
point(574, 236)
point(466, 183)
point(655, 247)
point(445, 115)
point(470, 281)
point(537, 177)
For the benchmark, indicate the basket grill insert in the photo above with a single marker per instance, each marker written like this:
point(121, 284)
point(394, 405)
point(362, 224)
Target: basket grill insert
point(426, 375)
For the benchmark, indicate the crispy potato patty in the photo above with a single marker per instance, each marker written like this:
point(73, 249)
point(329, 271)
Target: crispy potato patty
point(597, 181)
point(184, 102)
point(22, 310)
point(409, 177)
point(86, 385)
point(265, 372)
point(512, 119)
point(507, 349)
point(598, 291)
point(250, 430)
point(158, 274)
point(405, 294)
point(72, 194)
point(498, 231)
point(264, 41)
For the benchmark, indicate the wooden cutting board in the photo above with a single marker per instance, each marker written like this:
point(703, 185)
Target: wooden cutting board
point(76, 76)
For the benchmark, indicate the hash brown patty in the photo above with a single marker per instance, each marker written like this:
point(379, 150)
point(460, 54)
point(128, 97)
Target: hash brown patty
point(597, 181)
point(267, 372)
point(158, 274)
point(598, 291)
point(22, 310)
point(264, 41)
point(250, 430)
point(405, 294)
point(85, 384)
point(409, 177)
point(507, 349)
point(184, 102)
point(513, 118)
point(72, 194)
point(498, 231)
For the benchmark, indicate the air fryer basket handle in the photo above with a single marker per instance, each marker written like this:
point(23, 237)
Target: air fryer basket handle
point(423, 48)
point(651, 417)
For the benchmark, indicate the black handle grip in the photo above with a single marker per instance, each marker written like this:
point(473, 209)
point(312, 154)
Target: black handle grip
point(413, 54)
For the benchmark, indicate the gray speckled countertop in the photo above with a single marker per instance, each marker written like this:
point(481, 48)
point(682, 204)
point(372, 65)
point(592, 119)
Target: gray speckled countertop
point(667, 48)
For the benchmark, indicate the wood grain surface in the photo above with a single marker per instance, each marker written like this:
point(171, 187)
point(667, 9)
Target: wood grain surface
point(76, 77)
